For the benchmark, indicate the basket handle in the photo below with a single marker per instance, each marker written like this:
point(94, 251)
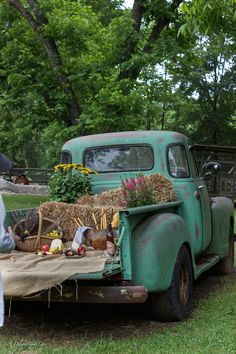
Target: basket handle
point(39, 231)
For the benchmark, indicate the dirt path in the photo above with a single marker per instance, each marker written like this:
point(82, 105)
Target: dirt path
point(64, 322)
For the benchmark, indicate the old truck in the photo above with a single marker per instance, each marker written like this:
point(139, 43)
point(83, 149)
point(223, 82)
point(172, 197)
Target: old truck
point(163, 248)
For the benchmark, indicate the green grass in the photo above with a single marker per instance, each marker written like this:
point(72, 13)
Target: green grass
point(211, 330)
point(13, 202)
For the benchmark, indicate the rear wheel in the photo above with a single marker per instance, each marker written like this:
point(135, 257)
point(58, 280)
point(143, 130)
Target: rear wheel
point(226, 265)
point(175, 303)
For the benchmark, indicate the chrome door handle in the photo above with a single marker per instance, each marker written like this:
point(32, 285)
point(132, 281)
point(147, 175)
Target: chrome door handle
point(200, 187)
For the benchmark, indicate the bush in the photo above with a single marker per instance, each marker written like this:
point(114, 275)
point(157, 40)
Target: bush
point(69, 182)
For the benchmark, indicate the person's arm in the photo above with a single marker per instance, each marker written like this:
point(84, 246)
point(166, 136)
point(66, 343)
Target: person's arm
point(7, 243)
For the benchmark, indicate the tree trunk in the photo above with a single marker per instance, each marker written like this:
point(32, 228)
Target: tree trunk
point(163, 116)
point(37, 19)
point(138, 11)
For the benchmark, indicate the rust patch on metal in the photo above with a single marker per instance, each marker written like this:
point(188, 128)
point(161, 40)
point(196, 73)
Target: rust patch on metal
point(144, 241)
point(163, 218)
point(178, 136)
point(160, 140)
point(197, 231)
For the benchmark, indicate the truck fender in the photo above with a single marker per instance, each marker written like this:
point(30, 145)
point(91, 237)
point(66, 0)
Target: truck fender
point(156, 242)
point(222, 217)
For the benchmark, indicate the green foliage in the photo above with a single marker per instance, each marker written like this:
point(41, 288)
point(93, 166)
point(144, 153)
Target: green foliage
point(67, 185)
point(124, 76)
point(211, 16)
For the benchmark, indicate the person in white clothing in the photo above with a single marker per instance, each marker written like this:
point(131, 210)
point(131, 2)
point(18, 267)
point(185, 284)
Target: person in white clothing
point(7, 243)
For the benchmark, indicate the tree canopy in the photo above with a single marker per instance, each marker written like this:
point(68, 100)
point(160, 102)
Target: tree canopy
point(71, 68)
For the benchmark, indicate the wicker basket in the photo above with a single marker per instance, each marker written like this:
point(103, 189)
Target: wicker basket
point(39, 234)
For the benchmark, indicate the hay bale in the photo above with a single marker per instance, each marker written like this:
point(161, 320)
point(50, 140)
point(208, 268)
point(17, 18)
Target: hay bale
point(107, 202)
point(162, 189)
point(113, 198)
point(66, 214)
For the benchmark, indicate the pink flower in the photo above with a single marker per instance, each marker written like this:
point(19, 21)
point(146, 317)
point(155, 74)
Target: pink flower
point(130, 186)
point(132, 181)
point(140, 180)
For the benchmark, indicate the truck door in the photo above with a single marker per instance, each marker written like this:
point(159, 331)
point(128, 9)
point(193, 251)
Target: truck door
point(192, 190)
point(203, 197)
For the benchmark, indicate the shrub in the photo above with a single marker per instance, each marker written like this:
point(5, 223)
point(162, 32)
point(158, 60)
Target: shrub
point(69, 182)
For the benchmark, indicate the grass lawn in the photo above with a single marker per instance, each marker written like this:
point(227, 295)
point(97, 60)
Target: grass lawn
point(13, 202)
point(211, 329)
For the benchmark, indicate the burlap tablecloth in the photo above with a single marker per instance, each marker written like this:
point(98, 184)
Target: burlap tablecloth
point(26, 273)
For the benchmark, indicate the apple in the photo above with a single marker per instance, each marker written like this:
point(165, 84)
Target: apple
point(45, 248)
point(81, 250)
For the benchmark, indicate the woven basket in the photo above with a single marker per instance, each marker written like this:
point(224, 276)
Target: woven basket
point(39, 234)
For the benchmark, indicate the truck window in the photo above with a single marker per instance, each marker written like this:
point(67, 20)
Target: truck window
point(66, 157)
point(119, 158)
point(177, 161)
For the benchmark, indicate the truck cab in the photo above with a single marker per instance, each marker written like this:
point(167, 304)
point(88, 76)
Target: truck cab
point(162, 247)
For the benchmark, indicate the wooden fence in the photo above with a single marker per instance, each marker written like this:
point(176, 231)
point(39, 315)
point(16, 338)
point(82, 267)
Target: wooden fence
point(34, 175)
point(224, 182)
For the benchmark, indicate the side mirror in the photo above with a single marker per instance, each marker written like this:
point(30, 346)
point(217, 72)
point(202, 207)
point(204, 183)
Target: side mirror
point(211, 167)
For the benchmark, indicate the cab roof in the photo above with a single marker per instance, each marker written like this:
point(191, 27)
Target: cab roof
point(129, 137)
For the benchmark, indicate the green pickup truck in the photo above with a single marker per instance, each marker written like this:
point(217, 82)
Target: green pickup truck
point(163, 248)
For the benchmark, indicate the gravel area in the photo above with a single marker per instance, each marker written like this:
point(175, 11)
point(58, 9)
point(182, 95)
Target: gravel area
point(7, 187)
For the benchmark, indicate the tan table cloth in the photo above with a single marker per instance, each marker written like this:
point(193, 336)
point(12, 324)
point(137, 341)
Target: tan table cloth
point(26, 273)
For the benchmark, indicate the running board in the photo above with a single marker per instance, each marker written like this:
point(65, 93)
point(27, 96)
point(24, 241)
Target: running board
point(206, 263)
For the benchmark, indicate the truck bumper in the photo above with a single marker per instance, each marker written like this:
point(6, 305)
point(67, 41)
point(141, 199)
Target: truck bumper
point(94, 294)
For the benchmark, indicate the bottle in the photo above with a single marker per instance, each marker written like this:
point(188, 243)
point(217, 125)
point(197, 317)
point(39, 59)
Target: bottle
point(111, 247)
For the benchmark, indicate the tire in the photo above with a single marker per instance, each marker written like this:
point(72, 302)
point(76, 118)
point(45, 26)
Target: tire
point(175, 304)
point(226, 265)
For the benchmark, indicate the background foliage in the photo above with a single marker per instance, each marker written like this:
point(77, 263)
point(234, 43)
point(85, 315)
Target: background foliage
point(70, 68)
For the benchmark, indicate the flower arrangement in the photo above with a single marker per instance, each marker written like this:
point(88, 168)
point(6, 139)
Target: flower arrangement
point(70, 181)
point(74, 166)
point(137, 192)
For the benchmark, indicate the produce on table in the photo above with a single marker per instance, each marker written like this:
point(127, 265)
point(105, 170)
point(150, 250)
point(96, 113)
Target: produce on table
point(56, 245)
point(54, 250)
point(24, 235)
point(82, 250)
point(45, 248)
point(53, 234)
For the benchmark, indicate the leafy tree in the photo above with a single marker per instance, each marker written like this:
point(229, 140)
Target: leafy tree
point(206, 76)
point(70, 68)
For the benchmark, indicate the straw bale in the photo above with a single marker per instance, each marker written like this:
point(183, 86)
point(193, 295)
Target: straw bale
point(109, 202)
point(65, 214)
point(162, 189)
point(112, 198)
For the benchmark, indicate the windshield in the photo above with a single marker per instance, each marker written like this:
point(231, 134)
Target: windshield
point(119, 158)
